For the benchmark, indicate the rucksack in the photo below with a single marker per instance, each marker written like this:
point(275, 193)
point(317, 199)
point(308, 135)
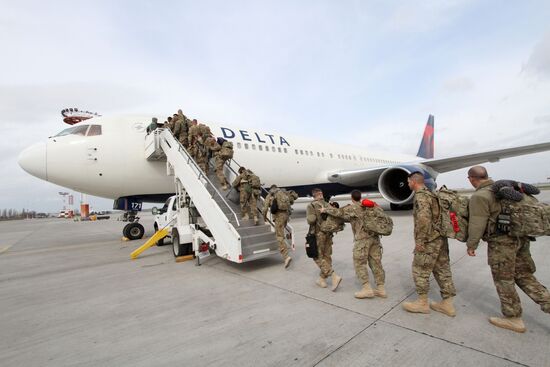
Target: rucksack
point(525, 218)
point(226, 152)
point(254, 180)
point(453, 210)
point(332, 224)
point(376, 221)
point(281, 201)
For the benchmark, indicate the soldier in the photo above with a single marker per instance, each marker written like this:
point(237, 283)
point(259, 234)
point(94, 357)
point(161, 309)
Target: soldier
point(509, 257)
point(367, 251)
point(192, 136)
point(223, 155)
point(324, 240)
point(184, 128)
point(153, 125)
point(201, 153)
point(431, 252)
point(242, 184)
point(280, 217)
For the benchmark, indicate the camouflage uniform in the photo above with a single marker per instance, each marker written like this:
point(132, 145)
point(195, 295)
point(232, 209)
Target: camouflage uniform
point(201, 153)
point(509, 257)
point(281, 219)
point(247, 199)
point(219, 162)
point(435, 256)
point(367, 250)
point(324, 240)
point(192, 139)
point(184, 129)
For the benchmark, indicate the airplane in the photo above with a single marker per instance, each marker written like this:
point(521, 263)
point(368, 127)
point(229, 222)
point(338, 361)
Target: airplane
point(104, 156)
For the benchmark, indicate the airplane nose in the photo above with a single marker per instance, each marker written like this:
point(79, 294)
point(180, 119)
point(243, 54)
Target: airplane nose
point(33, 160)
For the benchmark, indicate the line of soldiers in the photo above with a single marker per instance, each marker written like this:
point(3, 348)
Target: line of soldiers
point(509, 257)
point(198, 140)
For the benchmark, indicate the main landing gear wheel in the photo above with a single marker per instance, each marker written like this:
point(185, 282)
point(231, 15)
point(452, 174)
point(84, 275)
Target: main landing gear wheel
point(133, 231)
point(180, 249)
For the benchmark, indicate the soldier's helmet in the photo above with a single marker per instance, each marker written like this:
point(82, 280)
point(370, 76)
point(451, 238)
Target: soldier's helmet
point(154, 119)
point(242, 169)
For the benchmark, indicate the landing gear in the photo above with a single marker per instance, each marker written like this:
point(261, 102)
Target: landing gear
point(133, 230)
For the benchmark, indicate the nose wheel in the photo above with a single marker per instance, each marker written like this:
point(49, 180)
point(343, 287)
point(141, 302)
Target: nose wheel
point(133, 231)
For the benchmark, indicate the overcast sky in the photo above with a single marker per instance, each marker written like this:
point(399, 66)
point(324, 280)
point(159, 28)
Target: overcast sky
point(366, 73)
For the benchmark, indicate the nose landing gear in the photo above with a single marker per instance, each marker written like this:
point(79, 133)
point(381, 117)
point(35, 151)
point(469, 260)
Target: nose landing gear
point(133, 230)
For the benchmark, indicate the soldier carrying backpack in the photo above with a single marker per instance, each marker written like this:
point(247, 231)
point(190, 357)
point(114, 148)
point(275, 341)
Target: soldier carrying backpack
point(367, 250)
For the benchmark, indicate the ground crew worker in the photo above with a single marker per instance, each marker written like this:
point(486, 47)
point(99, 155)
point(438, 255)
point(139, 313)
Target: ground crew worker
point(280, 218)
point(509, 257)
point(241, 183)
point(367, 251)
point(324, 240)
point(431, 252)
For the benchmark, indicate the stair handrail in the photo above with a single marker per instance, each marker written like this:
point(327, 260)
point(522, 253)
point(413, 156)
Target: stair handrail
point(190, 160)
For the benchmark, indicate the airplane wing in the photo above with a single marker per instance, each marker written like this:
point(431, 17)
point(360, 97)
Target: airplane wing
point(368, 176)
point(454, 163)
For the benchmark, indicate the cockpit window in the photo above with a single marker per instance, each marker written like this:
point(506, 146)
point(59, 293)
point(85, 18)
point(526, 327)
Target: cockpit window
point(80, 130)
point(94, 130)
point(64, 132)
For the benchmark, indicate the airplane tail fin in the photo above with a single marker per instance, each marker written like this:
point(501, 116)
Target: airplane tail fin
point(426, 149)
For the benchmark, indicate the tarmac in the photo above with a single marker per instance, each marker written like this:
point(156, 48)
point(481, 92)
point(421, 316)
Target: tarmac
point(71, 296)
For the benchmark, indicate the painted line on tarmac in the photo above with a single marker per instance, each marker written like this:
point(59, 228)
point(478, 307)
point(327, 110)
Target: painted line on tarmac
point(4, 249)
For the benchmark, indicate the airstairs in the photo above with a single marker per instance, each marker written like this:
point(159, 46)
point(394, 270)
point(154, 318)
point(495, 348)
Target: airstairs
point(205, 214)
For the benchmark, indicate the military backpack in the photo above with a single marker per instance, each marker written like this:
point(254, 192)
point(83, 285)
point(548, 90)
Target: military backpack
point(376, 221)
point(254, 180)
point(226, 152)
point(525, 218)
point(453, 209)
point(332, 224)
point(281, 201)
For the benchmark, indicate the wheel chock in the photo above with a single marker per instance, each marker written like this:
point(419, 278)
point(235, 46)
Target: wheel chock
point(125, 239)
point(181, 259)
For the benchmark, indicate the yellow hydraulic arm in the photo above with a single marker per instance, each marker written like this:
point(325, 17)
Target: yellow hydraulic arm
point(160, 234)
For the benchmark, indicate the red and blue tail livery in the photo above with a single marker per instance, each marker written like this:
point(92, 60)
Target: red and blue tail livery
point(426, 149)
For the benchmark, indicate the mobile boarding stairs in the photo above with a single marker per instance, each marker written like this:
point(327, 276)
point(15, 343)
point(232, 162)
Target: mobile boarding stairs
point(206, 220)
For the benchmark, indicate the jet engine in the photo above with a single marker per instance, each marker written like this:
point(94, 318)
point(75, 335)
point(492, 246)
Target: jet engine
point(393, 185)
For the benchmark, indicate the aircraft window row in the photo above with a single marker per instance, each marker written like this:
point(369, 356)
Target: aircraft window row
point(261, 148)
point(82, 130)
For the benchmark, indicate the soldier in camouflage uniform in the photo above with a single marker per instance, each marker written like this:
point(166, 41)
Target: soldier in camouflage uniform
point(509, 257)
point(367, 251)
point(431, 253)
point(184, 129)
point(280, 218)
point(241, 183)
point(201, 152)
point(222, 156)
point(192, 137)
point(324, 240)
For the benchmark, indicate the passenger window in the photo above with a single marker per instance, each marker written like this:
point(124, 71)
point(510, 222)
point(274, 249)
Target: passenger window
point(239, 145)
point(279, 150)
point(296, 151)
point(284, 149)
point(330, 155)
point(273, 149)
point(301, 152)
point(174, 206)
point(253, 146)
point(260, 148)
point(245, 145)
point(95, 130)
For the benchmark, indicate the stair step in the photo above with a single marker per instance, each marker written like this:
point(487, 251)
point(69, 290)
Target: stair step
point(252, 257)
point(260, 247)
point(257, 238)
point(251, 230)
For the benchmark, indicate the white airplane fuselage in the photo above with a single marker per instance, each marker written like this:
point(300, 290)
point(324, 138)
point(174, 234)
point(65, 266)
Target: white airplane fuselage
point(112, 164)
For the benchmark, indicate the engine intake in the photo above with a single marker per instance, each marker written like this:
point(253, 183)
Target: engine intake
point(393, 185)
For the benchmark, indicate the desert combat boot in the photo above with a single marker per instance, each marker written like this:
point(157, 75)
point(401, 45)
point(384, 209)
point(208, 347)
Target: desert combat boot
point(380, 291)
point(336, 279)
point(445, 306)
point(365, 292)
point(321, 282)
point(418, 306)
point(511, 323)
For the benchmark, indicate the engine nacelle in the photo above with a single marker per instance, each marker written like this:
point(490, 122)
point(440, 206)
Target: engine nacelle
point(393, 185)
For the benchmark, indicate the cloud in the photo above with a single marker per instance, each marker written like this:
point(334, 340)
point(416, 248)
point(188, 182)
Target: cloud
point(538, 63)
point(458, 85)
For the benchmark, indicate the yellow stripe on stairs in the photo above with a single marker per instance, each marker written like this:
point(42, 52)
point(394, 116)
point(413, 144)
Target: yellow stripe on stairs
point(160, 234)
